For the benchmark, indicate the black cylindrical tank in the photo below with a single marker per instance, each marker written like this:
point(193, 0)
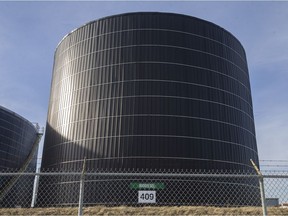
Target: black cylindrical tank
point(17, 152)
point(150, 91)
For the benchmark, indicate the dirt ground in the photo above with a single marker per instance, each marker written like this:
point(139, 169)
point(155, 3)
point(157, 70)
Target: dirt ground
point(124, 210)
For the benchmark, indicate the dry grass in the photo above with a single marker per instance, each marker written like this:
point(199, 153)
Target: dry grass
point(124, 210)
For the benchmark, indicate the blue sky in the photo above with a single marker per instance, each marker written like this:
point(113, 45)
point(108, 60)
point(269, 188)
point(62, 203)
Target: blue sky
point(30, 32)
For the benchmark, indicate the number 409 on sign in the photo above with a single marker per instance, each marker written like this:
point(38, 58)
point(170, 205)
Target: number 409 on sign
point(146, 196)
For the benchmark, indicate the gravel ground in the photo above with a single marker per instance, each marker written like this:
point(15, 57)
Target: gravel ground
point(124, 210)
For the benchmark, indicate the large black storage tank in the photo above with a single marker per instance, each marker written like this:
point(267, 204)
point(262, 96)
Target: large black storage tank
point(150, 90)
point(17, 152)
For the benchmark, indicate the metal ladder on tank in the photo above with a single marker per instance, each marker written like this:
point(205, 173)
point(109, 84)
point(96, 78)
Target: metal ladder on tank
point(26, 163)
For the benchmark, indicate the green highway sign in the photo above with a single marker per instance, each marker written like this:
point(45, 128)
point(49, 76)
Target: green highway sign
point(137, 185)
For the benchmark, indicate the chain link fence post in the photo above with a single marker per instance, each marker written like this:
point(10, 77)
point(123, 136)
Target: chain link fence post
point(81, 192)
point(35, 189)
point(262, 191)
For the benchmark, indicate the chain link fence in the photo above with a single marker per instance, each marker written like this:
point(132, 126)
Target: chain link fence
point(141, 188)
point(276, 188)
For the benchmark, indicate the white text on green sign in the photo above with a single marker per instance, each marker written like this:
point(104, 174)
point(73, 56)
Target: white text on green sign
point(136, 185)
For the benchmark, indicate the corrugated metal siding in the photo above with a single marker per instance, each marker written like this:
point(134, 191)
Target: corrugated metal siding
point(150, 90)
point(17, 136)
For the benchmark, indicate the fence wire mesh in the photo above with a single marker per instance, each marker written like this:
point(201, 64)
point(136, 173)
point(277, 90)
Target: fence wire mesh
point(276, 188)
point(141, 188)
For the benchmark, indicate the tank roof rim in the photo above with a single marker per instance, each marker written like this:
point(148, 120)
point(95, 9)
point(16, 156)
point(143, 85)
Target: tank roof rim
point(150, 12)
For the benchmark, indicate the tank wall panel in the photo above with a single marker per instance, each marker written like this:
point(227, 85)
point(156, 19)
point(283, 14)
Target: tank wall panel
point(140, 87)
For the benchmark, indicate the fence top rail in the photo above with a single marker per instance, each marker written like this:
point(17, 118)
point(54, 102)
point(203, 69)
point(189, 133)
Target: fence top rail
point(276, 176)
point(131, 174)
point(155, 173)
